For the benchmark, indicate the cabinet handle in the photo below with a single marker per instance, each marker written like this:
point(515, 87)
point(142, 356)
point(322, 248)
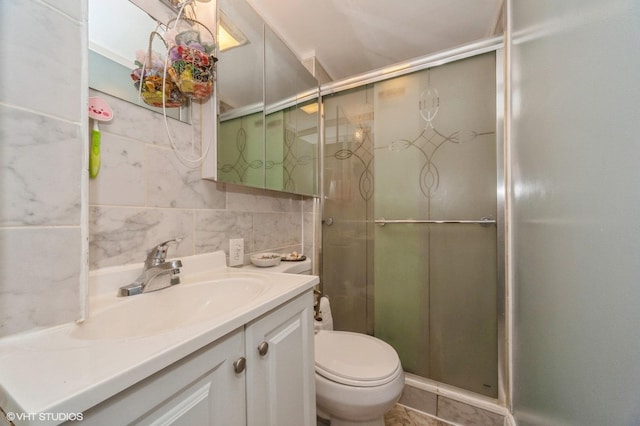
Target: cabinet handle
point(239, 365)
point(263, 348)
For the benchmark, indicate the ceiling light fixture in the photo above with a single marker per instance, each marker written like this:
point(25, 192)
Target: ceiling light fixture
point(310, 108)
point(229, 36)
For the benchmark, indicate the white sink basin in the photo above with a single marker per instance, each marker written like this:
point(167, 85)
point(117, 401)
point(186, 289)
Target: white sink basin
point(174, 307)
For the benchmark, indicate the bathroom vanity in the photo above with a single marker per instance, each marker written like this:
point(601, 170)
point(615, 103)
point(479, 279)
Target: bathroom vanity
point(225, 346)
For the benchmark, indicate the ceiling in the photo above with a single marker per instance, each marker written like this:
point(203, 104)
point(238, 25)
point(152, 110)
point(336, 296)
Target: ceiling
point(350, 37)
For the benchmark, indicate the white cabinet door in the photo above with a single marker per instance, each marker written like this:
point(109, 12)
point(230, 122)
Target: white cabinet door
point(201, 389)
point(280, 366)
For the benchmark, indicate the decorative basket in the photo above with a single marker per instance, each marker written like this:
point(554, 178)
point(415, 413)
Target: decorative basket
point(152, 92)
point(154, 85)
point(192, 65)
point(192, 71)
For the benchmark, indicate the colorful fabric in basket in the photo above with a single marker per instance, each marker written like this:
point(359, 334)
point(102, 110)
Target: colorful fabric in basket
point(192, 71)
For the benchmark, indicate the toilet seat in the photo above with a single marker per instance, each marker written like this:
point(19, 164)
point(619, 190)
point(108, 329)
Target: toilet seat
point(355, 359)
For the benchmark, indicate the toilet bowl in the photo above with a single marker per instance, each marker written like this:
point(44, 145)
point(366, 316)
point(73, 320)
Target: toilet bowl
point(358, 377)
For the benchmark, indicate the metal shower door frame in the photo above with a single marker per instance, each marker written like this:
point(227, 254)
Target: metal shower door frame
point(493, 44)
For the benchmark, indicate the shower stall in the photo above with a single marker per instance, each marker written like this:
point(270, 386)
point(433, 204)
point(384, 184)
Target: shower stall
point(412, 224)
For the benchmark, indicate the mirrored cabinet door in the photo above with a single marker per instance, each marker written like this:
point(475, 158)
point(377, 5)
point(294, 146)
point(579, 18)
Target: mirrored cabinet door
point(268, 120)
point(291, 96)
point(240, 86)
point(301, 157)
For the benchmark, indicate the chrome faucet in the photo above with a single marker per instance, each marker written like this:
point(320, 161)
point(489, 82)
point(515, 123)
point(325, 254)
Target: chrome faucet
point(157, 273)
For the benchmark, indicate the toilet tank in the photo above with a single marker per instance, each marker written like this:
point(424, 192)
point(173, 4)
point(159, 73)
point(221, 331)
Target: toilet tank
point(302, 267)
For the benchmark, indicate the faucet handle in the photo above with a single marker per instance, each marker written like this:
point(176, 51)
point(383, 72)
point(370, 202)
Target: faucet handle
point(158, 254)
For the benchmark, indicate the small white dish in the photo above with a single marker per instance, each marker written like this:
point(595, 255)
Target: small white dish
point(265, 260)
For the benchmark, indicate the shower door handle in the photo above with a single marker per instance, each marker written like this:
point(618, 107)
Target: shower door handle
point(328, 221)
point(483, 221)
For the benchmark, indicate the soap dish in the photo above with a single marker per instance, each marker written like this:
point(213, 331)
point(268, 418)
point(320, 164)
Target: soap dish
point(265, 260)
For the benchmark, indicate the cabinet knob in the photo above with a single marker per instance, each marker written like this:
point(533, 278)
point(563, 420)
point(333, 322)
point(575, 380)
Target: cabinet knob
point(239, 365)
point(263, 348)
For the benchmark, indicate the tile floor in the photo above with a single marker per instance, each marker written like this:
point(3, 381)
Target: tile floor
point(400, 415)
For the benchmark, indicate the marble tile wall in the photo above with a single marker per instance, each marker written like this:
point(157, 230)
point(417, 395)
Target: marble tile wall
point(42, 127)
point(145, 194)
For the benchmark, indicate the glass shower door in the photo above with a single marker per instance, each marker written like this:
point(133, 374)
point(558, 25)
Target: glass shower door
point(347, 232)
point(397, 154)
point(435, 208)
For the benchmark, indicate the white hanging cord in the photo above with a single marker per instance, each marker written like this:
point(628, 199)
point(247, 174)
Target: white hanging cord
point(180, 156)
point(147, 57)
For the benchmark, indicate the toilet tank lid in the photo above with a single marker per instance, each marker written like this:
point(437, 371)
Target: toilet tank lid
point(355, 358)
point(302, 267)
point(296, 267)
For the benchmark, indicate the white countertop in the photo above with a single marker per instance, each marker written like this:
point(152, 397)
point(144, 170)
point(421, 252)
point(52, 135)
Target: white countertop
point(53, 371)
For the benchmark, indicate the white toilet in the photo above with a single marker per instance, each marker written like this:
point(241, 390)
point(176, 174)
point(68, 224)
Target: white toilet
point(358, 377)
